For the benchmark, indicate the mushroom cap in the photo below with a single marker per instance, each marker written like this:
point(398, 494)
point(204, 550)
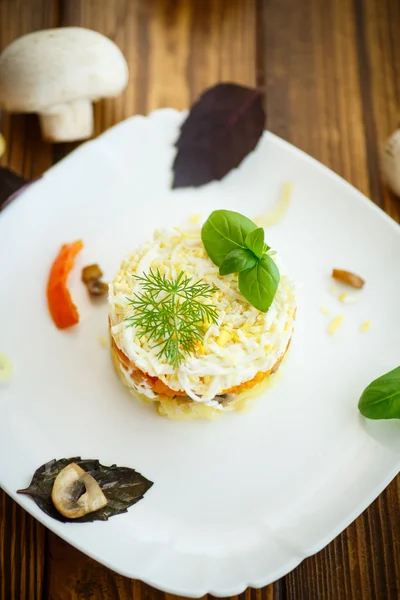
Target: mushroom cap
point(56, 66)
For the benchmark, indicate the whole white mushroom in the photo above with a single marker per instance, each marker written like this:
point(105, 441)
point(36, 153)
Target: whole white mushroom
point(58, 73)
point(391, 162)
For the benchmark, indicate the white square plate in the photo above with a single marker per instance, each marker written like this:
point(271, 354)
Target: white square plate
point(242, 500)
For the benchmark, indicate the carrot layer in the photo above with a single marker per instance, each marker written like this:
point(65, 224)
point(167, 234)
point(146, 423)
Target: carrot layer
point(159, 387)
point(63, 311)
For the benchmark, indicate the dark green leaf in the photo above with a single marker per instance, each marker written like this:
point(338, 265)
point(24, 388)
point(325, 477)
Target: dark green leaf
point(237, 260)
point(255, 241)
point(381, 399)
point(122, 487)
point(224, 231)
point(259, 284)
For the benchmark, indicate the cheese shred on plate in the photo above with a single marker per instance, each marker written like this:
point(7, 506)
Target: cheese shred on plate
point(237, 353)
point(6, 367)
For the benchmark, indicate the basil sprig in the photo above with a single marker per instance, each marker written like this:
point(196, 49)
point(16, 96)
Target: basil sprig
point(236, 245)
point(237, 260)
point(381, 399)
point(255, 242)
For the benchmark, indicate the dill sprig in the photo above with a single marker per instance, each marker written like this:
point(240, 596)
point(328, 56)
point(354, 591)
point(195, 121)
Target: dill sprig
point(172, 314)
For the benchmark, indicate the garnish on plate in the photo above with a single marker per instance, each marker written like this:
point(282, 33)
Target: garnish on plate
point(102, 341)
point(236, 245)
point(63, 311)
point(348, 277)
point(91, 277)
point(272, 217)
point(381, 399)
point(172, 314)
point(222, 128)
point(365, 326)
point(75, 493)
point(6, 367)
point(335, 324)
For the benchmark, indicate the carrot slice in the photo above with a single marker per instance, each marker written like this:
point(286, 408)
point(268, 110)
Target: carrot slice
point(63, 311)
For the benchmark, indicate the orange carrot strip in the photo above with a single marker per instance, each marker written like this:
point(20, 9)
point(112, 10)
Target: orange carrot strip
point(63, 311)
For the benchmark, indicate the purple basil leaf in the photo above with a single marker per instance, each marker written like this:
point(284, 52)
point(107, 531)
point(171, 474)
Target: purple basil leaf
point(11, 185)
point(222, 128)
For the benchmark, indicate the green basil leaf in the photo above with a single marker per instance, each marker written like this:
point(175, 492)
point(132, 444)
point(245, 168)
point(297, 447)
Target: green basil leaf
point(237, 260)
point(255, 241)
point(224, 231)
point(381, 399)
point(259, 284)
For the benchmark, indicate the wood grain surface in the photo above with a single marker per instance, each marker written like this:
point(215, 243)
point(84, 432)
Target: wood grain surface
point(331, 70)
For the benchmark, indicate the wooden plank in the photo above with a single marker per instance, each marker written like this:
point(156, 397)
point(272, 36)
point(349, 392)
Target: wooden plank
point(361, 564)
point(312, 81)
point(21, 553)
point(22, 538)
point(74, 576)
point(174, 49)
point(332, 72)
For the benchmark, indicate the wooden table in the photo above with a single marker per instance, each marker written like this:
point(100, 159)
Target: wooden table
point(331, 70)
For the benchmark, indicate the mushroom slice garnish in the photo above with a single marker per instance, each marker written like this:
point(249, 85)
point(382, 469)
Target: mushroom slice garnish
point(67, 493)
point(91, 272)
point(96, 287)
point(91, 277)
point(348, 277)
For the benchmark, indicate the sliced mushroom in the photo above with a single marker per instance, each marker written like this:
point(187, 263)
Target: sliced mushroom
point(351, 279)
point(91, 277)
point(67, 493)
point(91, 272)
point(97, 287)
